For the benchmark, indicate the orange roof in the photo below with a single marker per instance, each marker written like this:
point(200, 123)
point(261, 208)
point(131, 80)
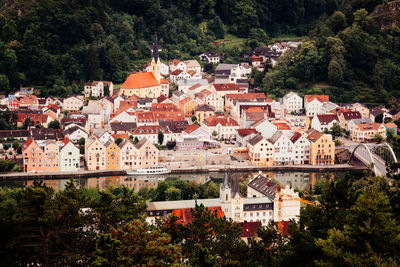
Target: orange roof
point(184, 101)
point(320, 98)
point(391, 125)
point(163, 81)
point(245, 96)
point(315, 135)
point(185, 215)
point(191, 128)
point(164, 107)
point(255, 109)
point(122, 136)
point(226, 87)
point(175, 62)
point(369, 126)
point(282, 126)
point(140, 80)
point(120, 110)
point(224, 121)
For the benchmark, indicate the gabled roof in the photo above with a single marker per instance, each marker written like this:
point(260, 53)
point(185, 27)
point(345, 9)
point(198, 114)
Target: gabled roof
point(264, 185)
point(204, 107)
point(320, 98)
point(224, 121)
point(350, 115)
point(141, 143)
point(275, 137)
point(296, 136)
point(191, 128)
point(314, 135)
point(176, 72)
point(27, 143)
point(369, 126)
point(325, 119)
point(123, 126)
point(248, 96)
point(140, 80)
point(226, 87)
point(256, 139)
point(245, 132)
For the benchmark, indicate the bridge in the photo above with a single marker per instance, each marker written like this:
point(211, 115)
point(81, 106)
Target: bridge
point(375, 156)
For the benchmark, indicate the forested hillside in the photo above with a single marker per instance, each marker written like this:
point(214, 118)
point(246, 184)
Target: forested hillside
point(58, 44)
point(355, 59)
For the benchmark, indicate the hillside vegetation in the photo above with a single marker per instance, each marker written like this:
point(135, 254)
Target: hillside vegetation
point(59, 44)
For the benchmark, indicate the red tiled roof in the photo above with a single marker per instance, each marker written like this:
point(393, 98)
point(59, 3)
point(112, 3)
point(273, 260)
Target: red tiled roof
point(249, 96)
point(249, 228)
point(320, 98)
point(226, 87)
point(164, 107)
point(185, 215)
point(245, 132)
point(350, 115)
point(315, 135)
point(391, 125)
point(27, 143)
point(282, 126)
point(140, 80)
point(224, 121)
point(295, 137)
point(176, 72)
point(327, 118)
point(368, 126)
point(175, 62)
point(122, 136)
point(191, 128)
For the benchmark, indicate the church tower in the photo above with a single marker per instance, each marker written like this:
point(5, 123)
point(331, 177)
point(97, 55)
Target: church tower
point(155, 62)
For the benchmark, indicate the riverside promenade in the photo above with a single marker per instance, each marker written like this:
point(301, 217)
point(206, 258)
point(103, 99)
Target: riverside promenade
point(187, 169)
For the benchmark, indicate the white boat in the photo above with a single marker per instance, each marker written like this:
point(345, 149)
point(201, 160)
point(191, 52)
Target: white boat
point(152, 170)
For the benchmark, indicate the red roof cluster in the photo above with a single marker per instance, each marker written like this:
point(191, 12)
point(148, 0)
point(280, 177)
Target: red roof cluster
point(320, 98)
point(226, 87)
point(224, 121)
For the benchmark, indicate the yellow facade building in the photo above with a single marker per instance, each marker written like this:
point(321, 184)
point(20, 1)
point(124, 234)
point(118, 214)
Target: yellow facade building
point(112, 155)
point(322, 148)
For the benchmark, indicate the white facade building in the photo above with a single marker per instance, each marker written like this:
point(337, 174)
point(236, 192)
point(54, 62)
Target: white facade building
point(293, 102)
point(283, 148)
point(69, 158)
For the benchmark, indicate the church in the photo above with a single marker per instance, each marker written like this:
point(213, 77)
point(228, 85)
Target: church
point(266, 201)
point(147, 84)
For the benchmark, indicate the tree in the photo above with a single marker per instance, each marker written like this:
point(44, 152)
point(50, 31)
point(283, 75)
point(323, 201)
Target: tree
point(28, 122)
point(173, 193)
point(379, 118)
point(54, 124)
point(135, 244)
point(15, 145)
point(194, 118)
point(118, 141)
point(160, 138)
point(378, 138)
point(214, 133)
point(82, 141)
point(4, 83)
point(336, 130)
point(92, 63)
point(217, 27)
point(136, 140)
point(368, 236)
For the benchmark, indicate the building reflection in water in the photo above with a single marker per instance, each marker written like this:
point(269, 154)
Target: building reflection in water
point(299, 180)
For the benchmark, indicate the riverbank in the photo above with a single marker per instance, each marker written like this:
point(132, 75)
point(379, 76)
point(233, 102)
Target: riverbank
point(188, 170)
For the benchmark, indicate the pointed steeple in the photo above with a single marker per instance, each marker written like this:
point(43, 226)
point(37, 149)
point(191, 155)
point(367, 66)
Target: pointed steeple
point(155, 49)
point(155, 62)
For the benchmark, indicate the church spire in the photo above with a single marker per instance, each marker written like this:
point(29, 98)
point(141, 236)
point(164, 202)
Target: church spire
point(155, 49)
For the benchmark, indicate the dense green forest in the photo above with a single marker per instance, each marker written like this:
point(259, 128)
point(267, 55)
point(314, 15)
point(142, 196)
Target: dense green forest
point(356, 223)
point(355, 60)
point(58, 44)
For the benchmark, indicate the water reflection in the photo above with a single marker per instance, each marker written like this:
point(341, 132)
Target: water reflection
point(300, 180)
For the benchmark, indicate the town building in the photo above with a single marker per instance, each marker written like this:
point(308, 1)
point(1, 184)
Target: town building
point(69, 157)
point(313, 104)
point(210, 57)
point(33, 156)
point(283, 148)
point(322, 148)
point(97, 88)
point(95, 154)
point(202, 112)
point(148, 154)
point(301, 148)
point(324, 122)
point(293, 103)
point(147, 84)
point(112, 155)
point(261, 151)
point(223, 127)
point(366, 132)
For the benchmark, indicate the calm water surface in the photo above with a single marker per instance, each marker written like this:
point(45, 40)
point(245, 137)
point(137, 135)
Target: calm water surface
point(300, 180)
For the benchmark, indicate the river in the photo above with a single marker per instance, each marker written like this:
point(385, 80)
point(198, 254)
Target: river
point(300, 180)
